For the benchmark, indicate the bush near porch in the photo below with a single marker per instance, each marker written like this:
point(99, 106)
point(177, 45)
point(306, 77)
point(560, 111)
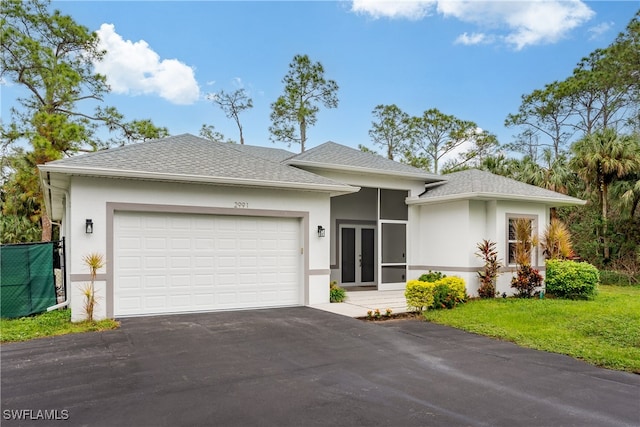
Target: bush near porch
point(445, 292)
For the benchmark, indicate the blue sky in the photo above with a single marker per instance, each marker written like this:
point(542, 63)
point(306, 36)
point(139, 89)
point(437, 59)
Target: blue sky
point(467, 58)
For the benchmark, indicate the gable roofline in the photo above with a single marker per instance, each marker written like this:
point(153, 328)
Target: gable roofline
point(418, 176)
point(482, 185)
point(337, 157)
point(550, 201)
point(334, 189)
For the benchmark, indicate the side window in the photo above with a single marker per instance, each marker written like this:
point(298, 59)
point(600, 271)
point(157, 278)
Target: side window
point(520, 232)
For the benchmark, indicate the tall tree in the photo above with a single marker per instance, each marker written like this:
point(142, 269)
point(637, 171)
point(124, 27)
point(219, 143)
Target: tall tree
point(391, 130)
point(482, 145)
point(233, 104)
point(600, 159)
point(546, 113)
point(51, 57)
point(436, 134)
point(305, 87)
point(209, 132)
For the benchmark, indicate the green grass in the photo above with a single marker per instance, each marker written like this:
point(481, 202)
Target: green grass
point(604, 331)
point(56, 322)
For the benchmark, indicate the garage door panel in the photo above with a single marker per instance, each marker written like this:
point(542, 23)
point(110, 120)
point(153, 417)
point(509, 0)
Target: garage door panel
point(177, 263)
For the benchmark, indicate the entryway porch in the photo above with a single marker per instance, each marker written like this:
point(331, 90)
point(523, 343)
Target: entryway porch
point(359, 302)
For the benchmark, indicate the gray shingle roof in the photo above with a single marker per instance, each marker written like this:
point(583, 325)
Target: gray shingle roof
point(188, 155)
point(335, 156)
point(477, 183)
point(268, 153)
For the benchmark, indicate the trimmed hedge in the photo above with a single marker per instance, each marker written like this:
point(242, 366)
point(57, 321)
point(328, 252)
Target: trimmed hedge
point(443, 293)
point(572, 280)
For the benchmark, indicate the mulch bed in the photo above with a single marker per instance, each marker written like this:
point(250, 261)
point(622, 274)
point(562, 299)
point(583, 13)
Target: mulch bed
point(392, 316)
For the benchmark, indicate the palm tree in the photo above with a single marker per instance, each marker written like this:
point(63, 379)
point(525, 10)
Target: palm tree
point(600, 159)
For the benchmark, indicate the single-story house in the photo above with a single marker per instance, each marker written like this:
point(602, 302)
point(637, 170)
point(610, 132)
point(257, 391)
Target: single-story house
point(186, 224)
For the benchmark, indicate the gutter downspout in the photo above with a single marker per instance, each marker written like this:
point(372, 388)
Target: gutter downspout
point(66, 302)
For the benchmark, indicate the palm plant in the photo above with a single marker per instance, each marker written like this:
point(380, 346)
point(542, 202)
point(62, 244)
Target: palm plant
point(599, 160)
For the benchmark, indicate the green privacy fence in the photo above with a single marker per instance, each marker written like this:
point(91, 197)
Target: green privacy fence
point(27, 278)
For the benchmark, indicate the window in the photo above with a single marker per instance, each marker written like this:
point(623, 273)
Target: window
point(520, 232)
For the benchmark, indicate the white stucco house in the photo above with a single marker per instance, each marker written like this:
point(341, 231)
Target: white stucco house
point(186, 224)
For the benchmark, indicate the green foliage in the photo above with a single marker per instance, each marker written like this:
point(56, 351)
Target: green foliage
point(431, 276)
point(15, 229)
point(446, 292)
point(232, 104)
point(419, 295)
point(51, 57)
point(57, 322)
point(572, 280)
point(392, 129)
point(617, 278)
point(304, 88)
point(489, 254)
point(336, 293)
point(526, 281)
point(604, 331)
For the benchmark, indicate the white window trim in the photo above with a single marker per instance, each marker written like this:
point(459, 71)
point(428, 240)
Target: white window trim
point(534, 230)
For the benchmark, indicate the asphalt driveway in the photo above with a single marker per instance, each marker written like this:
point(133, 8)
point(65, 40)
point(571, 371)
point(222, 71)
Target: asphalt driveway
point(303, 367)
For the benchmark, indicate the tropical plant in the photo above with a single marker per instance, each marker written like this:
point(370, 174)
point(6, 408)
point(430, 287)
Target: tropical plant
point(556, 240)
point(489, 254)
point(527, 280)
point(95, 262)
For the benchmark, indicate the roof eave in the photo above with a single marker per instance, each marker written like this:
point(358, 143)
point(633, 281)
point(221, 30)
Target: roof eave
point(159, 176)
point(425, 177)
point(549, 201)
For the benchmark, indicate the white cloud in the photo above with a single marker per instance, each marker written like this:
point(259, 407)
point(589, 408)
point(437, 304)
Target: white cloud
point(413, 10)
point(134, 68)
point(600, 29)
point(517, 23)
point(473, 38)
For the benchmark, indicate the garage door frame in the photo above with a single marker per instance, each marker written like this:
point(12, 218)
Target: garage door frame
point(113, 207)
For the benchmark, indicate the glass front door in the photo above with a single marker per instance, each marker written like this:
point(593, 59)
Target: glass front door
point(357, 255)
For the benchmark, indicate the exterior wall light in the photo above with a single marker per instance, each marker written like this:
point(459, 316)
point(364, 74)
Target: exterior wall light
point(320, 231)
point(88, 227)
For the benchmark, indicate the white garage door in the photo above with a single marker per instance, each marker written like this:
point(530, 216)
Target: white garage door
point(171, 263)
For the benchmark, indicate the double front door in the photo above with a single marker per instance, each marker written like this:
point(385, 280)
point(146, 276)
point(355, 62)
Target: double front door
point(358, 255)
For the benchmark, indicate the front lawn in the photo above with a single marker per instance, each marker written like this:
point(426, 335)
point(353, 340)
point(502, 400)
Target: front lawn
point(604, 331)
point(56, 322)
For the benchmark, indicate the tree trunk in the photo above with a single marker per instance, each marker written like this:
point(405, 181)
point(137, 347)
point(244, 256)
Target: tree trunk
point(46, 226)
point(605, 239)
point(303, 134)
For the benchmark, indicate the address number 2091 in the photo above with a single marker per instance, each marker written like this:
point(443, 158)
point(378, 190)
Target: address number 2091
point(241, 205)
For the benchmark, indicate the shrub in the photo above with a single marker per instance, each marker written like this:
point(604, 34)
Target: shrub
point(444, 293)
point(432, 276)
point(617, 278)
point(572, 280)
point(526, 281)
point(336, 293)
point(419, 295)
point(487, 251)
point(457, 285)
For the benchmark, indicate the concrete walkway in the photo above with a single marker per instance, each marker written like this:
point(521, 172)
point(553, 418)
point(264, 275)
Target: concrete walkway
point(358, 303)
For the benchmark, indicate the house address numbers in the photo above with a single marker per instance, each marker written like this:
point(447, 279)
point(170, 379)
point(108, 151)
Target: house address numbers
point(241, 205)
